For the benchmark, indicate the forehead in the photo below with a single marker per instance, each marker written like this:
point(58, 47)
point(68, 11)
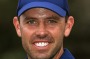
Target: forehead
point(39, 11)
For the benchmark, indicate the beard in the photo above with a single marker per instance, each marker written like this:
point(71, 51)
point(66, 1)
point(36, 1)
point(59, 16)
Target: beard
point(49, 53)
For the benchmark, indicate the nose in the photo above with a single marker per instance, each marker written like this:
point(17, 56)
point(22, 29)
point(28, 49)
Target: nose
point(42, 31)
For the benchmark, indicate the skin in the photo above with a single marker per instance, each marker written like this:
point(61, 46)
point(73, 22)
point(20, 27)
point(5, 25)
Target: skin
point(42, 25)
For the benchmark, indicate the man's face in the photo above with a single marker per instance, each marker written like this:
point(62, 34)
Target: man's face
point(42, 33)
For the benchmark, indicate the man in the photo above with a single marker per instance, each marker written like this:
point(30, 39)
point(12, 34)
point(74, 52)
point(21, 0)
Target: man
point(42, 26)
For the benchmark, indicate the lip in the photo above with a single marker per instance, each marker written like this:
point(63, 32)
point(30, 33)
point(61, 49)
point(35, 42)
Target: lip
point(36, 41)
point(41, 47)
point(38, 48)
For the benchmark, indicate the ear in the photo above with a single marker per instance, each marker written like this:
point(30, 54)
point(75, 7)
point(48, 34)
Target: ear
point(69, 25)
point(17, 26)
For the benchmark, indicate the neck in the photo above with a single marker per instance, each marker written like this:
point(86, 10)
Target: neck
point(59, 54)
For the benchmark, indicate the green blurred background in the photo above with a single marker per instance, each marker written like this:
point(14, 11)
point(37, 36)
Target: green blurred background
point(78, 42)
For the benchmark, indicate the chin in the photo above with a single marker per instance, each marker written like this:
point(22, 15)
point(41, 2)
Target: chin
point(40, 56)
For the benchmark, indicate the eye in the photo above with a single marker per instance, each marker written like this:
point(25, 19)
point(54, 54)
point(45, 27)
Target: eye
point(31, 21)
point(52, 21)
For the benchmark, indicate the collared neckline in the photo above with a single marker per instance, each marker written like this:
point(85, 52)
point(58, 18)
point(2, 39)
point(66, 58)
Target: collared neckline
point(67, 55)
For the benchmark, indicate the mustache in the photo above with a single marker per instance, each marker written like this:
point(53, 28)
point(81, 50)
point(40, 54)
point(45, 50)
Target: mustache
point(45, 37)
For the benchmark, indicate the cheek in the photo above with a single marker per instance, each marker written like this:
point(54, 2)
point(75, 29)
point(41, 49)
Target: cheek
point(58, 32)
point(58, 35)
point(26, 37)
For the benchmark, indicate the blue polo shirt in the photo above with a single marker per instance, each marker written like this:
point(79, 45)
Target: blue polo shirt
point(66, 55)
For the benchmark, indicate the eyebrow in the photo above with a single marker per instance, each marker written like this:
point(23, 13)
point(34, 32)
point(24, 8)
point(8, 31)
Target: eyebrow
point(53, 17)
point(27, 18)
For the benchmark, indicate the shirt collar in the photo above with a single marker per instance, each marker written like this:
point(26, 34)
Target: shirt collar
point(67, 55)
